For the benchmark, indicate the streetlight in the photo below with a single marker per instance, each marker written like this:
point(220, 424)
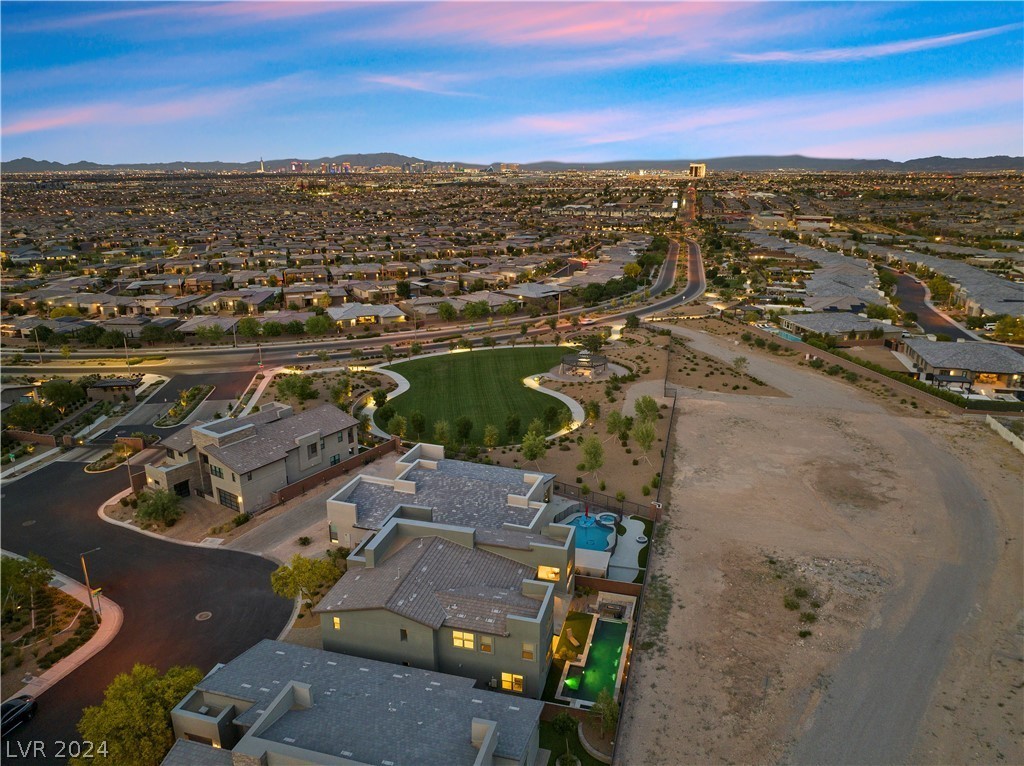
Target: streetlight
point(88, 587)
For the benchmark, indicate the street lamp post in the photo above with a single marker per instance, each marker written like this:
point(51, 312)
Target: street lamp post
point(88, 586)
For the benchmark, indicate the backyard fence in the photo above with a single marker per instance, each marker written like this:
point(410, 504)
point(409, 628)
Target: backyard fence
point(598, 501)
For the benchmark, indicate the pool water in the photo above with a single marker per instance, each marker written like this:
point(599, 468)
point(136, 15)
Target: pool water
point(602, 666)
point(590, 534)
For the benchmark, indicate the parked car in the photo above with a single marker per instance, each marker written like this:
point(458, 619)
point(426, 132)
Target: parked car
point(16, 711)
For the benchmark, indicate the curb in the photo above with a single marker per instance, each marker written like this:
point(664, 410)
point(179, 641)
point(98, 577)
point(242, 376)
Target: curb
point(110, 625)
point(190, 412)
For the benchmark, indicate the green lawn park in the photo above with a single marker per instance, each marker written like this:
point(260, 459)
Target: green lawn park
point(484, 385)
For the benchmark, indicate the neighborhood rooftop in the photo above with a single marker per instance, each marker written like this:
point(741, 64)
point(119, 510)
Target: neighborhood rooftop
point(369, 711)
point(439, 582)
point(461, 493)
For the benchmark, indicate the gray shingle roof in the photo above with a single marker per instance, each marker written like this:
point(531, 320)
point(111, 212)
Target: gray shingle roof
point(837, 323)
point(186, 753)
point(271, 442)
point(374, 710)
point(438, 582)
point(968, 355)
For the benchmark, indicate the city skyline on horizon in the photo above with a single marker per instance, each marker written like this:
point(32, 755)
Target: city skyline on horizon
point(526, 82)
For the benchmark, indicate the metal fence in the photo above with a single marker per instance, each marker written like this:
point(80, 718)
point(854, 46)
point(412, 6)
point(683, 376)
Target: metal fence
point(598, 501)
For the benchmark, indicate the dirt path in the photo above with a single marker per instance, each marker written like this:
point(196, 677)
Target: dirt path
point(823, 553)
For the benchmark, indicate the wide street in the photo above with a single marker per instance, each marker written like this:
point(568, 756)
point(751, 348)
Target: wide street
point(911, 296)
point(160, 586)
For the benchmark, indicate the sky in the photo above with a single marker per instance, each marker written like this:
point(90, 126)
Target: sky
point(484, 82)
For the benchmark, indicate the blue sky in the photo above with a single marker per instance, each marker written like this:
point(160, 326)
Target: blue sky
point(512, 81)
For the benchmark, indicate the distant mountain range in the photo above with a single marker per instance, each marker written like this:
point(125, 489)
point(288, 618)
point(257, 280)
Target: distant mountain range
point(748, 163)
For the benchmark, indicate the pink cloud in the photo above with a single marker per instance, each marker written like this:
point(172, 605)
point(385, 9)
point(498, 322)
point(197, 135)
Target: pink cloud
point(584, 23)
point(421, 82)
point(859, 53)
point(208, 104)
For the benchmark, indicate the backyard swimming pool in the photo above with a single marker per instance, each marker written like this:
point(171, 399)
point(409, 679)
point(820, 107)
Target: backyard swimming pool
point(601, 670)
point(591, 533)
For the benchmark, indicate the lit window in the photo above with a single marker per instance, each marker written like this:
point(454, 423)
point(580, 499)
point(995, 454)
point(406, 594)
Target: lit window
point(462, 640)
point(332, 532)
point(551, 574)
point(486, 644)
point(529, 651)
point(337, 623)
point(511, 682)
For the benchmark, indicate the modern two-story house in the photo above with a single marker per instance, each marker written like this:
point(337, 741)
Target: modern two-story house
point(241, 462)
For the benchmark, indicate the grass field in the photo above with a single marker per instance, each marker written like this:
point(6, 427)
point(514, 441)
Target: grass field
point(485, 386)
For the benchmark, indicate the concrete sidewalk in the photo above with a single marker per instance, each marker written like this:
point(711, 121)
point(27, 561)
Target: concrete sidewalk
point(110, 623)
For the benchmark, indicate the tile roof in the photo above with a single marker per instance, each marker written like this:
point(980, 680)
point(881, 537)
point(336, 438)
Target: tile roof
point(438, 582)
point(968, 355)
point(272, 441)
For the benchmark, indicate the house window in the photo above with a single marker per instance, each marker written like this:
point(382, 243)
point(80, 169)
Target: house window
point(511, 682)
point(529, 651)
point(248, 476)
point(462, 639)
point(217, 471)
point(228, 499)
point(486, 644)
point(337, 623)
point(205, 458)
point(335, 459)
point(311, 450)
point(551, 574)
point(234, 478)
point(350, 435)
point(341, 436)
point(403, 634)
point(332, 532)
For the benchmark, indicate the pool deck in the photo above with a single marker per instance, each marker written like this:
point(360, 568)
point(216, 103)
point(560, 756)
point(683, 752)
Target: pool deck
point(624, 564)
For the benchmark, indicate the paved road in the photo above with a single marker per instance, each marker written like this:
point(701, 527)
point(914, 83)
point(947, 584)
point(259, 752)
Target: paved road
point(910, 294)
point(879, 694)
point(160, 586)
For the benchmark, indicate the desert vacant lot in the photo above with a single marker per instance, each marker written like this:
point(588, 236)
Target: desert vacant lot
point(486, 385)
point(844, 574)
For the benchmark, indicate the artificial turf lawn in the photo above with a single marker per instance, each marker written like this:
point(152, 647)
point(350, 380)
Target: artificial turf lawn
point(485, 386)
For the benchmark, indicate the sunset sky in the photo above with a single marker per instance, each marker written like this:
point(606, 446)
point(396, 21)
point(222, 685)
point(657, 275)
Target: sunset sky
point(512, 82)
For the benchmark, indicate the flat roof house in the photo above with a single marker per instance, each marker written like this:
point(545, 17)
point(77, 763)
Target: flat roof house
point(242, 462)
point(280, 703)
point(429, 487)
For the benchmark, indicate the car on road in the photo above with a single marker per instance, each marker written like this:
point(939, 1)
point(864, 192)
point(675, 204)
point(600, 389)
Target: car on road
point(16, 711)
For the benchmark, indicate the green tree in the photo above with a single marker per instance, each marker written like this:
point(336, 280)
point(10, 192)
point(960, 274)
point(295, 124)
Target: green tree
point(592, 343)
point(442, 432)
point(302, 577)
point(1009, 330)
point(388, 351)
point(446, 311)
point(415, 349)
point(740, 364)
point(535, 446)
point(614, 422)
point(212, 333)
point(248, 327)
point(153, 333)
point(418, 423)
point(632, 322)
point(476, 310)
point(65, 351)
point(398, 426)
point(298, 387)
point(513, 426)
point(593, 454)
point(272, 329)
point(463, 428)
point(592, 410)
point(64, 311)
point(323, 354)
point(606, 711)
point(62, 394)
point(403, 289)
point(643, 434)
point(319, 325)
point(134, 719)
point(160, 505)
point(564, 725)
point(507, 310)
point(29, 416)
point(379, 396)
point(940, 288)
point(491, 436)
point(109, 338)
point(295, 327)
point(632, 270)
point(19, 578)
point(646, 408)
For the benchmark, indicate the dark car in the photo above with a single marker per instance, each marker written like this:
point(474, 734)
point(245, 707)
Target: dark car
point(16, 711)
